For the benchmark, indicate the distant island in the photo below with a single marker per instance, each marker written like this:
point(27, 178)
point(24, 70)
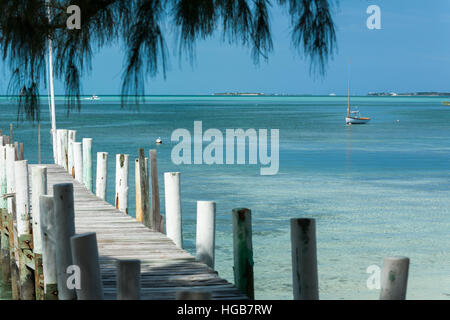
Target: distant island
point(239, 94)
point(412, 94)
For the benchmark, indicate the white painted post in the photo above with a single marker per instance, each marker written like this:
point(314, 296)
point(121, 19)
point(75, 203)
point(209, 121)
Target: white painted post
point(22, 197)
point(102, 174)
point(87, 163)
point(78, 161)
point(39, 188)
point(48, 239)
point(63, 148)
point(394, 278)
point(10, 179)
point(65, 228)
point(3, 185)
point(128, 280)
point(173, 207)
point(206, 232)
point(27, 289)
point(58, 147)
point(72, 138)
point(85, 256)
point(304, 259)
point(122, 166)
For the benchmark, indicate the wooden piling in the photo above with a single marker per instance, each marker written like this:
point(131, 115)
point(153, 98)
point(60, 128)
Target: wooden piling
point(12, 236)
point(65, 228)
point(58, 147)
point(157, 220)
point(64, 158)
point(243, 251)
point(206, 232)
point(39, 188)
point(142, 195)
point(128, 280)
point(87, 163)
point(78, 161)
point(121, 198)
point(48, 238)
point(39, 143)
point(394, 278)
point(21, 152)
point(85, 256)
point(172, 197)
point(5, 263)
point(27, 289)
point(102, 175)
point(72, 136)
point(304, 259)
point(16, 149)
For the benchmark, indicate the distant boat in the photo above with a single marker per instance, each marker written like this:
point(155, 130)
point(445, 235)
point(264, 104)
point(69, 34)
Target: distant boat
point(158, 141)
point(353, 117)
point(446, 103)
point(94, 97)
point(332, 94)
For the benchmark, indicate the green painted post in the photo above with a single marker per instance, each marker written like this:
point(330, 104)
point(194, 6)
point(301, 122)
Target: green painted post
point(243, 251)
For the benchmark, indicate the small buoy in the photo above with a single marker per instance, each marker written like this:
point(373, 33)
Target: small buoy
point(158, 141)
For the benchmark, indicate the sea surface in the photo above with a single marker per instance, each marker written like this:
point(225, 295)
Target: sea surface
point(375, 190)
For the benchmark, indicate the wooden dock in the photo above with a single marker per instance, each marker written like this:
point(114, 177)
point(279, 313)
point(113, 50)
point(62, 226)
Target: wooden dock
point(165, 269)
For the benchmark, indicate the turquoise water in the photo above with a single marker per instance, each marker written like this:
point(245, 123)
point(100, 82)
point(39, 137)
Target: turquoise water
point(376, 190)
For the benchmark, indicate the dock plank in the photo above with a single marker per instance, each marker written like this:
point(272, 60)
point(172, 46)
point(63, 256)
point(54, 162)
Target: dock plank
point(165, 269)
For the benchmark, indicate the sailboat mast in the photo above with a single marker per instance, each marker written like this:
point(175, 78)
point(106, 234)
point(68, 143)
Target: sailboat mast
point(52, 92)
point(348, 110)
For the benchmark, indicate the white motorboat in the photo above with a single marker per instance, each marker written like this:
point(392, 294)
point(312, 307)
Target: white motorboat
point(353, 117)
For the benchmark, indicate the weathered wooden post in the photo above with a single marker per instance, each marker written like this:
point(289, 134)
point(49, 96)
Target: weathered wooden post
point(71, 163)
point(102, 173)
point(128, 280)
point(87, 163)
point(39, 143)
point(27, 290)
point(11, 189)
point(122, 166)
point(394, 278)
point(6, 270)
point(64, 149)
point(48, 239)
point(206, 232)
point(39, 188)
point(172, 199)
point(21, 152)
point(78, 161)
point(11, 132)
point(156, 217)
point(304, 259)
point(142, 195)
point(65, 228)
point(58, 147)
point(243, 251)
point(85, 256)
point(193, 295)
point(16, 148)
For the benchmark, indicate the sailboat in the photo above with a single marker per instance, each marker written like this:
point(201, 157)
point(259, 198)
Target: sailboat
point(353, 117)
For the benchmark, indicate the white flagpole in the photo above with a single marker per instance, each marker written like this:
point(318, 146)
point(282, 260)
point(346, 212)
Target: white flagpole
point(52, 93)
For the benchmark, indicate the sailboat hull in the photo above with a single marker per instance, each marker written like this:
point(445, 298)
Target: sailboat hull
point(349, 120)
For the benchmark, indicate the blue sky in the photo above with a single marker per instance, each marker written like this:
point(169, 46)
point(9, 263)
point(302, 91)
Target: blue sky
point(410, 53)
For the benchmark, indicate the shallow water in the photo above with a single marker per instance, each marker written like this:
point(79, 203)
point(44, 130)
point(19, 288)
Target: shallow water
point(375, 190)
